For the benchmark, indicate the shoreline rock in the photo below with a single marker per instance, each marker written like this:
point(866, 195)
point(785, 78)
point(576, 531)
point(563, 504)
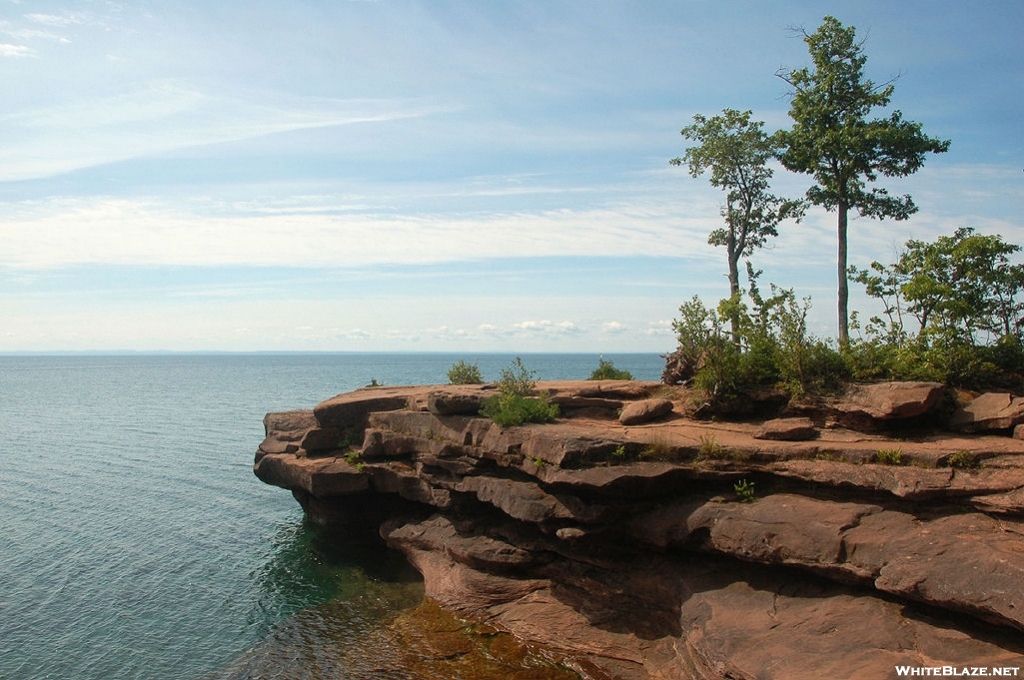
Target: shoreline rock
point(629, 549)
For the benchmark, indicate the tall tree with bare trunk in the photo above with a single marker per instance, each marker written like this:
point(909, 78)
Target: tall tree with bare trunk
point(833, 140)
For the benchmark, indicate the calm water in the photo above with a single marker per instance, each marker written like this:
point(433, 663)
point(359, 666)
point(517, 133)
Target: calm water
point(135, 541)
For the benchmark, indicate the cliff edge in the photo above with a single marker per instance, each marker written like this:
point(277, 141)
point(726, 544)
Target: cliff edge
point(884, 528)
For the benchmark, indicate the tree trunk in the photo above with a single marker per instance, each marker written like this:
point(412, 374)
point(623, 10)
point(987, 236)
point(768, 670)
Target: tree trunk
point(844, 289)
point(734, 291)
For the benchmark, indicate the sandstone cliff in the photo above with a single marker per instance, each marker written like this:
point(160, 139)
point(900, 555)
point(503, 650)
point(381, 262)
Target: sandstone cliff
point(841, 541)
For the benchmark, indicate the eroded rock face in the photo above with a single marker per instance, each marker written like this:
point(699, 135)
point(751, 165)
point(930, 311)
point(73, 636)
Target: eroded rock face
point(631, 550)
point(988, 412)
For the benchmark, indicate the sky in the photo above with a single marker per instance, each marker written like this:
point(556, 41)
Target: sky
point(449, 175)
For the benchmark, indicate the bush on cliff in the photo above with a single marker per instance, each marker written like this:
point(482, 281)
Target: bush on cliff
point(464, 373)
point(606, 371)
point(770, 345)
point(952, 312)
point(514, 405)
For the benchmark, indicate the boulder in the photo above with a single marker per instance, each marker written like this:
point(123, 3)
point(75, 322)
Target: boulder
point(891, 400)
point(988, 412)
point(788, 429)
point(645, 411)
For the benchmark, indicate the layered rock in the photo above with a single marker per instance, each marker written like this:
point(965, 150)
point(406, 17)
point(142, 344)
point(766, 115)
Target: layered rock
point(644, 544)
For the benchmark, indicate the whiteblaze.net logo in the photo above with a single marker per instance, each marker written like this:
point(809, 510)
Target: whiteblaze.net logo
point(957, 671)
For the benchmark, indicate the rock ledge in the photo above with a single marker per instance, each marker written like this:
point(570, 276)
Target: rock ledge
point(621, 535)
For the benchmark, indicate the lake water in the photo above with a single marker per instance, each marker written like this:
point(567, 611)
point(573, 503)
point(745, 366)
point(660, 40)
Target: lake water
point(135, 541)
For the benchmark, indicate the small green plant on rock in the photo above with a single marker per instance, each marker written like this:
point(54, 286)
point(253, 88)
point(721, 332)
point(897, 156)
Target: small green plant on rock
point(513, 404)
point(620, 451)
point(606, 371)
point(744, 491)
point(962, 460)
point(889, 456)
point(709, 447)
point(463, 373)
point(657, 448)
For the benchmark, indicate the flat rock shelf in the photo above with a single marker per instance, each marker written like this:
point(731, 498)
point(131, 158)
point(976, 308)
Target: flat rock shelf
point(842, 538)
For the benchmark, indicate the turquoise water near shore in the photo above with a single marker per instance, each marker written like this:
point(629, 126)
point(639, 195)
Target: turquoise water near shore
point(135, 541)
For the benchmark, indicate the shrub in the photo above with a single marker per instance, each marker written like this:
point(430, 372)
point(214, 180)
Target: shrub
point(769, 346)
point(606, 371)
point(889, 456)
point(657, 448)
point(463, 373)
point(508, 410)
point(744, 491)
point(513, 404)
point(962, 460)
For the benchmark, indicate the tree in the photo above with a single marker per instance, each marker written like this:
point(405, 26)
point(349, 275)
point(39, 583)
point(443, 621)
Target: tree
point(833, 140)
point(736, 150)
point(955, 287)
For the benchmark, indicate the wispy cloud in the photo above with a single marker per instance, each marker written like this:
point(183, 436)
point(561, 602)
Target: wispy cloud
point(8, 50)
point(121, 231)
point(168, 115)
point(62, 19)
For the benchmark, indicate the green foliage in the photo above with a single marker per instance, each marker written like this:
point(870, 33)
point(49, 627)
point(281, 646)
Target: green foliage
point(517, 379)
point(657, 448)
point(889, 456)
point(736, 151)
point(508, 410)
point(513, 404)
point(833, 140)
point(744, 491)
point(606, 371)
point(464, 373)
point(620, 451)
point(352, 458)
point(771, 345)
point(709, 447)
point(964, 295)
point(956, 288)
point(962, 460)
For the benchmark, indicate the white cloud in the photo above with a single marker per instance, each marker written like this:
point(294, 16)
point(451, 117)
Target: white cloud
point(355, 334)
point(614, 327)
point(120, 231)
point(7, 50)
point(662, 327)
point(547, 327)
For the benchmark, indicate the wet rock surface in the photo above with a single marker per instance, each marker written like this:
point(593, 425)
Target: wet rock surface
point(674, 548)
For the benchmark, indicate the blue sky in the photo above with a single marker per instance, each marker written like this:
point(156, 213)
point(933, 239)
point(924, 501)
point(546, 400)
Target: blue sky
point(468, 175)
